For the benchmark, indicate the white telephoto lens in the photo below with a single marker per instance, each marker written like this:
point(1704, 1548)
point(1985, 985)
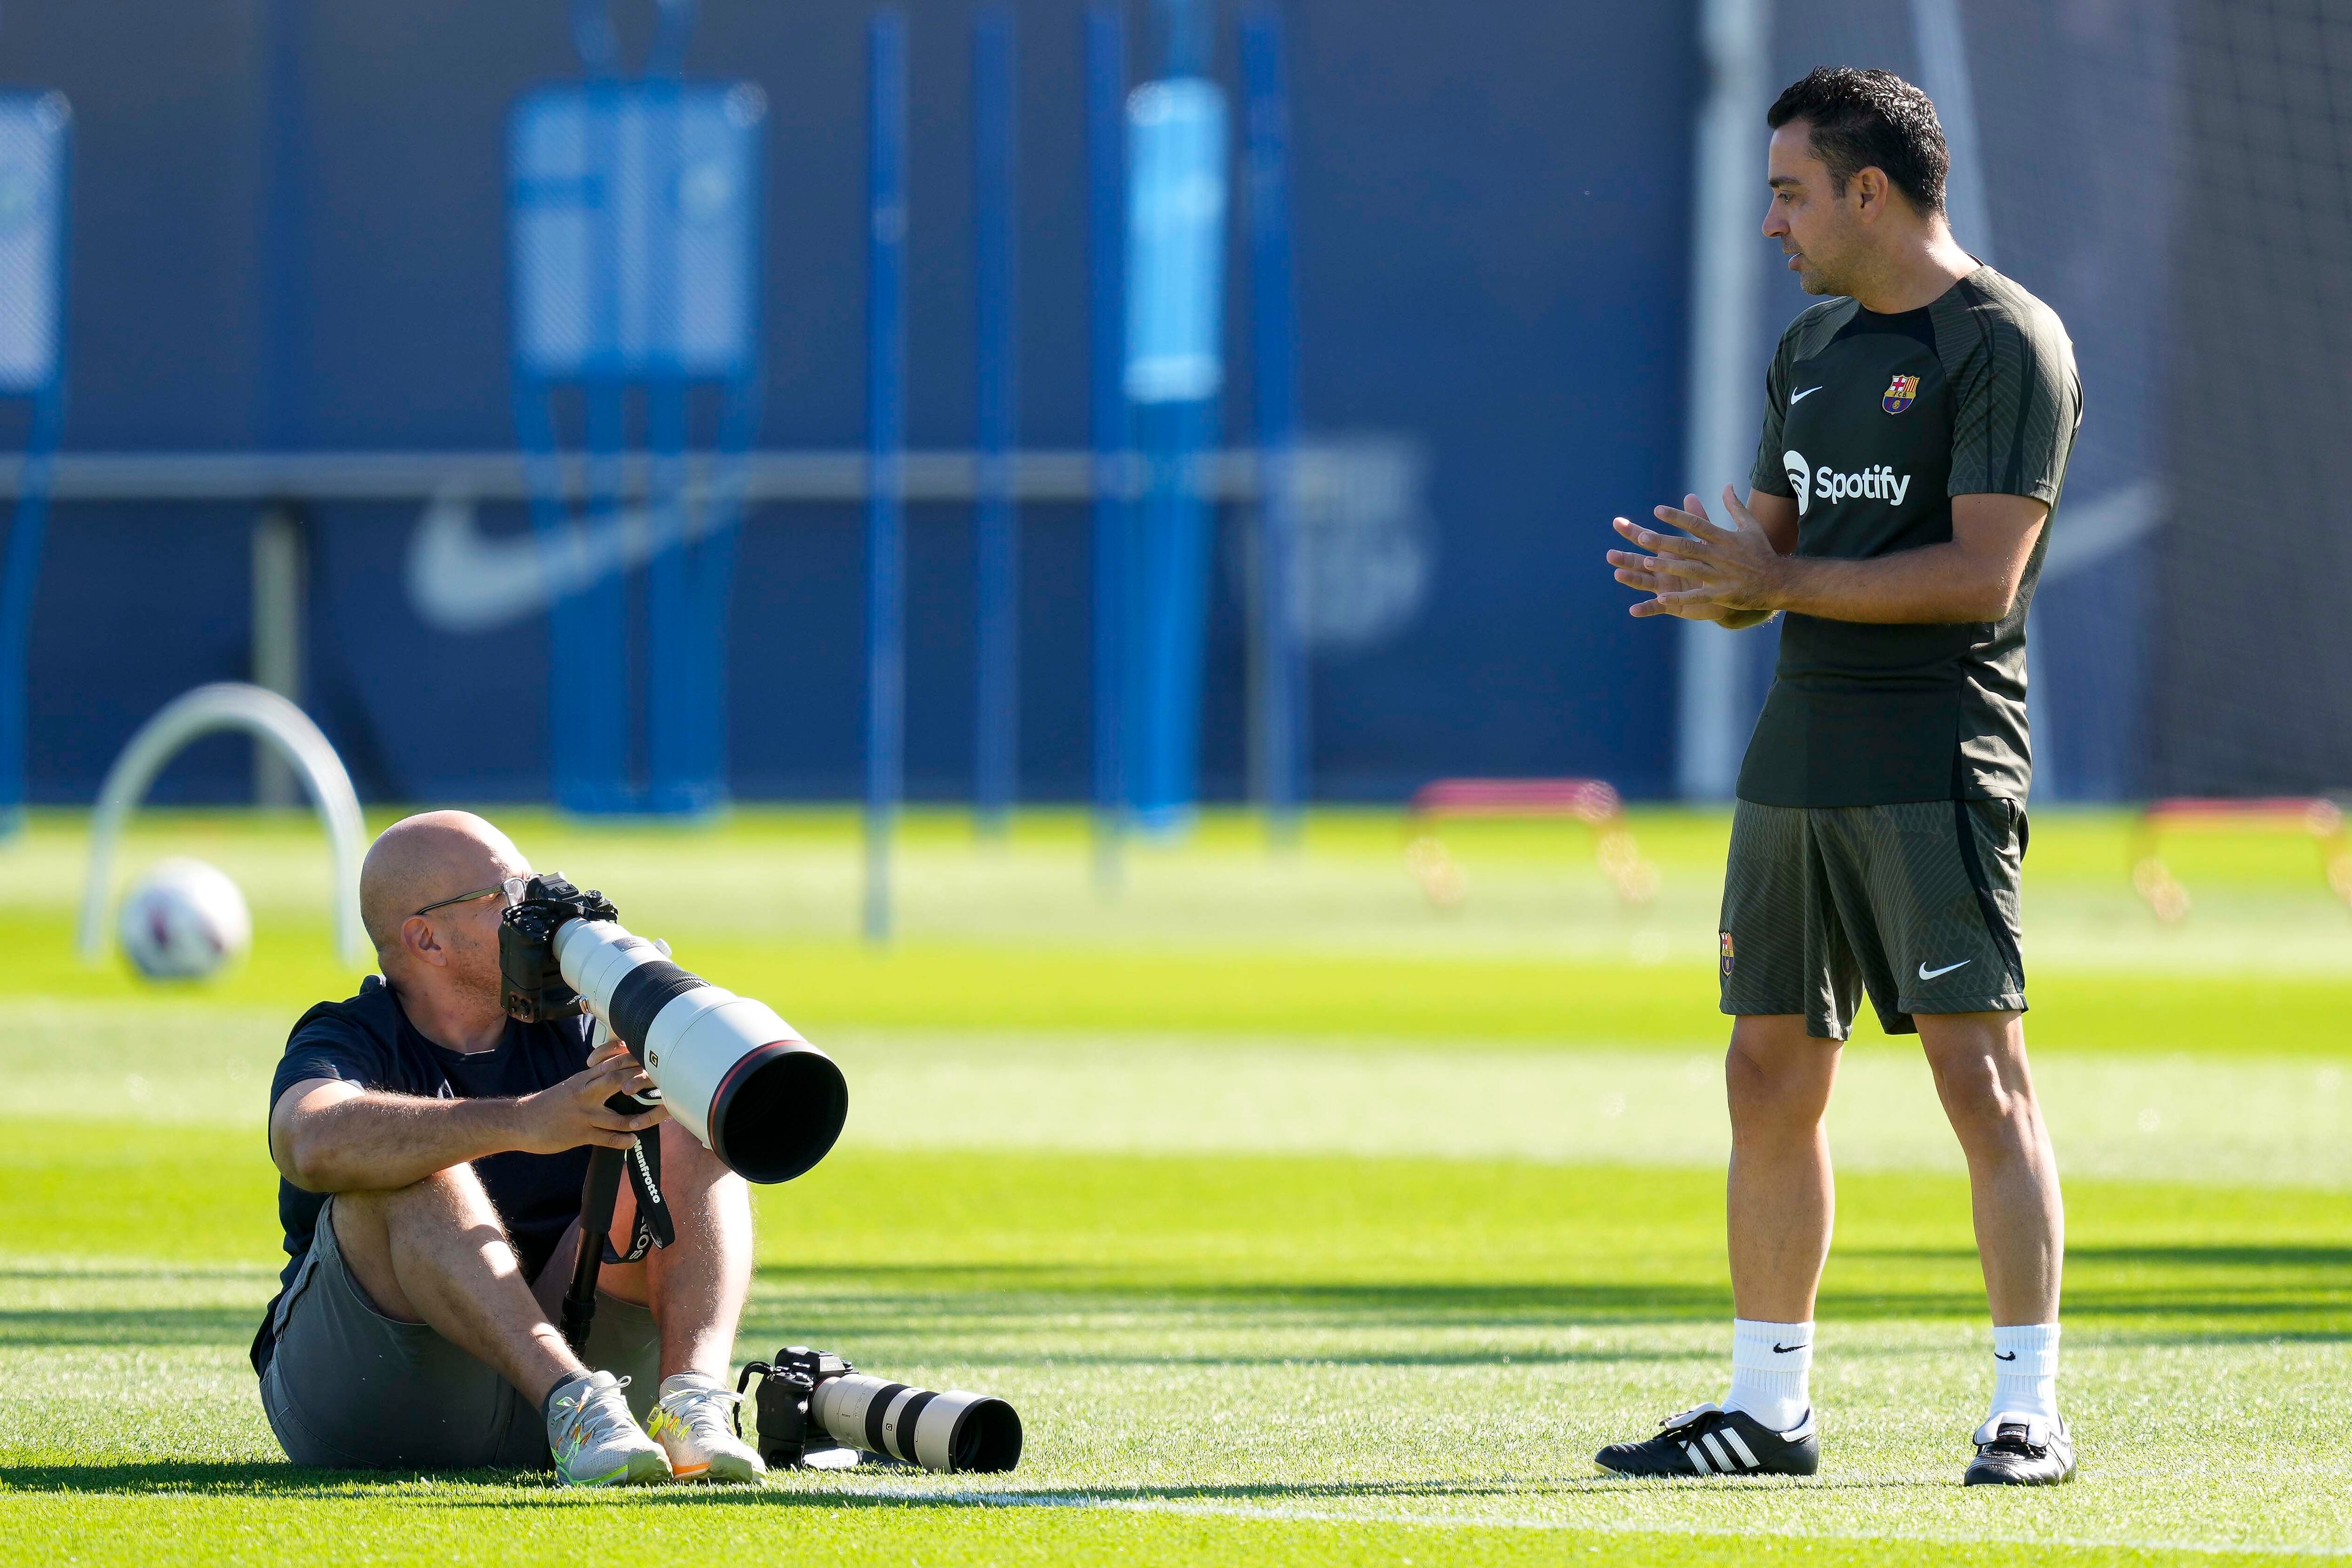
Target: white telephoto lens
point(735, 1075)
point(956, 1430)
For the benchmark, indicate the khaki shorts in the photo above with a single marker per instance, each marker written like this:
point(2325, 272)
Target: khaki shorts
point(1915, 904)
point(348, 1388)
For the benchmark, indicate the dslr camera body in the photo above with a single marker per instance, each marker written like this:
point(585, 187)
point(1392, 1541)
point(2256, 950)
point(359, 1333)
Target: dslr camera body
point(738, 1077)
point(813, 1406)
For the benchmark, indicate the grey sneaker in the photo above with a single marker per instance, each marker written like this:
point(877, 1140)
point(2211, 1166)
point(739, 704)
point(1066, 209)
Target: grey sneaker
point(2014, 1449)
point(596, 1441)
point(694, 1424)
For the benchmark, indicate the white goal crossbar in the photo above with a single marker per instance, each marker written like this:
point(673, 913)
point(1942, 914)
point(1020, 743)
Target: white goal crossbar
point(273, 722)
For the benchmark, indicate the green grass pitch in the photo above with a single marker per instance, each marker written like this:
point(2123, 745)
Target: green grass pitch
point(1303, 1221)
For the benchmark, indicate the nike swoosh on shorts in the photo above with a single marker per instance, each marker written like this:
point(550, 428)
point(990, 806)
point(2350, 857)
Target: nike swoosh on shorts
point(1927, 973)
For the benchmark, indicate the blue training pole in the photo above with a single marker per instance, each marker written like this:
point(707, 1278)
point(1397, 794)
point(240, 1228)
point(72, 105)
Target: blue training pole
point(1106, 103)
point(19, 571)
point(1274, 320)
point(682, 700)
point(886, 436)
point(997, 569)
point(1177, 184)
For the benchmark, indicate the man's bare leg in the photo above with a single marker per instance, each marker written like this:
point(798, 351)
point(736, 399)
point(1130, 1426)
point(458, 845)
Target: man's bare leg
point(434, 1253)
point(1778, 1207)
point(695, 1287)
point(1979, 1060)
point(1780, 1200)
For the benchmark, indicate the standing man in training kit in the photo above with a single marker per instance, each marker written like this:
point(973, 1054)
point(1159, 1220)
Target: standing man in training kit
point(1916, 428)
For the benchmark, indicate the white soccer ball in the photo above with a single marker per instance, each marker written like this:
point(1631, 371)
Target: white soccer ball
point(184, 921)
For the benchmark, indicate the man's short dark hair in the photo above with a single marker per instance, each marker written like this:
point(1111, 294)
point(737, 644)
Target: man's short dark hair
point(1870, 119)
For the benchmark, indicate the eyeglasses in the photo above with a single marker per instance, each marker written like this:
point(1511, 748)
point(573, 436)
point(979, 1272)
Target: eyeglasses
point(512, 887)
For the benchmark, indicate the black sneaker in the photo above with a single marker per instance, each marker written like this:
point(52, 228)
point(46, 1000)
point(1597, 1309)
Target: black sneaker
point(1713, 1441)
point(2016, 1450)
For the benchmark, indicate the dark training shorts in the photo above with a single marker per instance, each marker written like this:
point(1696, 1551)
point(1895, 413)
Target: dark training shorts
point(1915, 904)
point(348, 1388)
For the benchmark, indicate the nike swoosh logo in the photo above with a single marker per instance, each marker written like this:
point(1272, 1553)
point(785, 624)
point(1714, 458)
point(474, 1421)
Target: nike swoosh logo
point(2004, 1355)
point(1801, 397)
point(463, 579)
point(1927, 973)
point(1779, 1349)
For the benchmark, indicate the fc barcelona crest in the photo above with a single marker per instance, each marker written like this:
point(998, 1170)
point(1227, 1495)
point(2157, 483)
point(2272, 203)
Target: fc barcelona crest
point(1899, 393)
point(1726, 955)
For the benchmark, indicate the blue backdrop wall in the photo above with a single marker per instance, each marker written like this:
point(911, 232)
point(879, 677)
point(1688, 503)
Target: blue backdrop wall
point(288, 233)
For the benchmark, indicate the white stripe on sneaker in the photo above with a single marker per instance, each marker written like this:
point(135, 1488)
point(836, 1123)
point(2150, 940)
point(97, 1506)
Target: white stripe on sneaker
point(1697, 1459)
point(1722, 1459)
point(1747, 1455)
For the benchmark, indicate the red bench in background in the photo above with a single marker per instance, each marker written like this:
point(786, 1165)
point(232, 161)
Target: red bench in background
point(2319, 818)
point(1590, 801)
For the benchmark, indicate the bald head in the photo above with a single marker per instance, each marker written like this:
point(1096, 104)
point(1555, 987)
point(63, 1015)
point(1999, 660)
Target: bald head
point(425, 858)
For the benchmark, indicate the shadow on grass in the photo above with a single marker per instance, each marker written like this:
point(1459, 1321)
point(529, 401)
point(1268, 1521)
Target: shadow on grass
point(2219, 1292)
point(906, 1489)
point(2182, 1255)
point(236, 1478)
point(52, 1272)
point(2221, 1283)
point(945, 1286)
point(958, 1492)
point(146, 1326)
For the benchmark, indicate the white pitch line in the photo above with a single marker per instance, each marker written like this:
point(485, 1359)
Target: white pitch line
point(1286, 1514)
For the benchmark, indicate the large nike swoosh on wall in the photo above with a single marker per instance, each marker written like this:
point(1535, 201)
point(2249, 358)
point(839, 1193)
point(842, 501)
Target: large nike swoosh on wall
point(463, 579)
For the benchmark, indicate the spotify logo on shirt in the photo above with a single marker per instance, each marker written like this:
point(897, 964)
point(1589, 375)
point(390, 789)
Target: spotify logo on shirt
point(1826, 484)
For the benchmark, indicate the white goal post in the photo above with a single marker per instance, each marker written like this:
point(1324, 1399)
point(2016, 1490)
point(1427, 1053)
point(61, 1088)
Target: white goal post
point(272, 722)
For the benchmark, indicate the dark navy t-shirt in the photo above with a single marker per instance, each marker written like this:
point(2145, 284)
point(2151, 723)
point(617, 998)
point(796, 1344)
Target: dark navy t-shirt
point(370, 1042)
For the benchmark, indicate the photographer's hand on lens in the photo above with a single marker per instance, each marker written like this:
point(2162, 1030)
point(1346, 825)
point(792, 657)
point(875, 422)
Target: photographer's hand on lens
point(574, 1112)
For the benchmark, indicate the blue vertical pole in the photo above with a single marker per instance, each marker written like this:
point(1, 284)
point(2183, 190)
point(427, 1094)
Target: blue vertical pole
point(886, 436)
point(588, 680)
point(20, 564)
point(1186, 24)
point(674, 696)
point(1105, 103)
point(284, 275)
point(1174, 367)
point(1281, 739)
point(18, 573)
point(996, 742)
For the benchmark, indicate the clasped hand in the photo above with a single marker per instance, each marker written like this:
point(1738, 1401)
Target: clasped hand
point(1707, 573)
point(569, 1114)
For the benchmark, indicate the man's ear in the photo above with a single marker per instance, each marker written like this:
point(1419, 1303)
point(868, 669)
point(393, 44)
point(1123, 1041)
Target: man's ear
point(1870, 190)
point(423, 942)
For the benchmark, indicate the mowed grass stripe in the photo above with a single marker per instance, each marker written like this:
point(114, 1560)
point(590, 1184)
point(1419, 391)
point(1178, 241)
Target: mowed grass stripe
point(1420, 1339)
point(860, 1532)
point(2241, 1122)
point(826, 985)
point(1354, 1239)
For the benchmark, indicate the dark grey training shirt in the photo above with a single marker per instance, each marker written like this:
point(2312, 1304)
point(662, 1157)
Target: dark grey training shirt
point(369, 1041)
point(1872, 424)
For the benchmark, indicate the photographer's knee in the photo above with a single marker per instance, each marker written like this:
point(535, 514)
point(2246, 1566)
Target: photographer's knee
point(447, 1203)
point(689, 1167)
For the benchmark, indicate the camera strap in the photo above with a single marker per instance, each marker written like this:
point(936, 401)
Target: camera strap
point(653, 1226)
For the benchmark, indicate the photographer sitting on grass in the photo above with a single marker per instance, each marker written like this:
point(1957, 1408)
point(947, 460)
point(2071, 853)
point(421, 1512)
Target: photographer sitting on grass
point(432, 1151)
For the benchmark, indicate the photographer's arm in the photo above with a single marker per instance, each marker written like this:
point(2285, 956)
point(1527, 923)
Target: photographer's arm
point(327, 1135)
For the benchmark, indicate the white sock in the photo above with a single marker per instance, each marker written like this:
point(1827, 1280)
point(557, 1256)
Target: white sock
point(1770, 1365)
point(2026, 1370)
